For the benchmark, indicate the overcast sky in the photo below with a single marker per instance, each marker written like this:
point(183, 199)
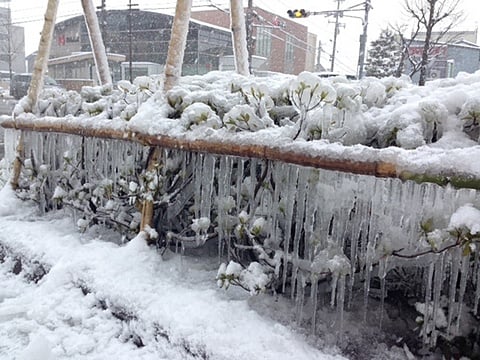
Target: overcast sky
point(29, 13)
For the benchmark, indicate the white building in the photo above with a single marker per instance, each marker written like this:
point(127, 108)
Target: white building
point(12, 44)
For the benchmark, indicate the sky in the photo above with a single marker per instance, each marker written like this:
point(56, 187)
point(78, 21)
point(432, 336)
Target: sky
point(29, 13)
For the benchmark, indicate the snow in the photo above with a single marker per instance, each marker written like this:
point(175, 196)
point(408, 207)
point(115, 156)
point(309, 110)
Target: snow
point(467, 217)
point(433, 127)
point(175, 299)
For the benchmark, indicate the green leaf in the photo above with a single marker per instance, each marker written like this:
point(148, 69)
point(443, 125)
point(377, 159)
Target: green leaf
point(427, 226)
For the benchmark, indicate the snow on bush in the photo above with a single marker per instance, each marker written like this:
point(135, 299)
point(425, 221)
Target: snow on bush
point(200, 115)
point(255, 278)
point(373, 112)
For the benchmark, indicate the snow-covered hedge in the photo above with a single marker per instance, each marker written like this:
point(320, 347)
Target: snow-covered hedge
point(373, 112)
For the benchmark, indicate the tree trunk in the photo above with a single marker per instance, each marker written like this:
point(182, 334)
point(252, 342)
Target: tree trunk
point(41, 61)
point(178, 40)
point(96, 41)
point(239, 37)
point(426, 45)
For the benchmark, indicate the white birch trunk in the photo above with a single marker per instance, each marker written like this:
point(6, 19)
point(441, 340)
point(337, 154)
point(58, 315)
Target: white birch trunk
point(41, 61)
point(96, 41)
point(176, 47)
point(239, 37)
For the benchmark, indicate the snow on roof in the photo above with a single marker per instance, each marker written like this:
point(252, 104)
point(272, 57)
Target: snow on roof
point(78, 56)
point(203, 23)
point(465, 43)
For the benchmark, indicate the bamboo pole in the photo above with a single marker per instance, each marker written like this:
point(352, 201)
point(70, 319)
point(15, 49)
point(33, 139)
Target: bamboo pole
point(17, 163)
point(41, 61)
point(375, 168)
point(176, 46)
point(173, 71)
point(36, 84)
point(239, 37)
point(96, 41)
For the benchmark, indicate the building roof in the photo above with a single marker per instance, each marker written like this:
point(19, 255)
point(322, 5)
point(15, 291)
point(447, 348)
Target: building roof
point(83, 56)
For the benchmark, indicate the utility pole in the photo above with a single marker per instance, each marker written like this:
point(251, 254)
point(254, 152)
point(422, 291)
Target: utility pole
point(103, 24)
point(130, 39)
point(9, 38)
point(250, 39)
point(363, 40)
point(319, 56)
point(302, 13)
point(337, 30)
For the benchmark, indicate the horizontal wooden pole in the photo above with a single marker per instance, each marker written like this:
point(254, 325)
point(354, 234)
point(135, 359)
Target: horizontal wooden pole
point(373, 168)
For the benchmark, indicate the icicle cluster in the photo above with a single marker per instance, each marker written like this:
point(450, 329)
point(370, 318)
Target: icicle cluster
point(292, 228)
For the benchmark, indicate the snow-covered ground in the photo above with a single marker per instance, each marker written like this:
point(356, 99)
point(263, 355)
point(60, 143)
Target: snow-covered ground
point(101, 300)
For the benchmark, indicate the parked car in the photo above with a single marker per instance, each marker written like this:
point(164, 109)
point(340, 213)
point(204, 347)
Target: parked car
point(20, 83)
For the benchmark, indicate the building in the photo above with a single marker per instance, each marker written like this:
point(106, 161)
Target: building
point(141, 37)
point(12, 44)
point(451, 36)
point(286, 45)
point(78, 69)
point(447, 59)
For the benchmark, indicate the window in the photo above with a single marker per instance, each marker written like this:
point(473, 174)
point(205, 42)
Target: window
point(289, 54)
point(263, 46)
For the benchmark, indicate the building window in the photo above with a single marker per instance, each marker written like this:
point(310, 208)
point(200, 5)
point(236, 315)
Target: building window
point(263, 46)
point(289, 54)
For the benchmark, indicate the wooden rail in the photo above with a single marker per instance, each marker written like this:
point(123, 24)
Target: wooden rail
point(373, 168)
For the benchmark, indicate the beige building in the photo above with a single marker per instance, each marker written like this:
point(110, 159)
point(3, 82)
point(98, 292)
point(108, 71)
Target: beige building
point(287, 46)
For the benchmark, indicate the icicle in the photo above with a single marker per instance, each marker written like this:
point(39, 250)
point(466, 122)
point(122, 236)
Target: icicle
point(221, 211)
point(276, 173)
point(291, 188)
point(437, 288)
point(341, 304)
point(10, 140)
point(314, 299)
point(239, 183)
point(299, 221)
point(197, 160)
point(455, 262)
point(477, 281)
point(333, 286)
point(311, 207)
point(463, 285)
point(382, 274)
point(300, 297)
point(427, 317)
point(251, 186)
point(207, 185)
point(369, 258)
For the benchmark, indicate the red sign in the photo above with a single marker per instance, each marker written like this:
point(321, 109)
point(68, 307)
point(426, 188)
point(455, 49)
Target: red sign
point(435, 51)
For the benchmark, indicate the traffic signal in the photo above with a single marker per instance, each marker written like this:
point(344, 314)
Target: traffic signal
point(297, 13)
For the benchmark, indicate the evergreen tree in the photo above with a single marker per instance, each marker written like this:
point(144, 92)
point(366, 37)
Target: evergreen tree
point(383, 56)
